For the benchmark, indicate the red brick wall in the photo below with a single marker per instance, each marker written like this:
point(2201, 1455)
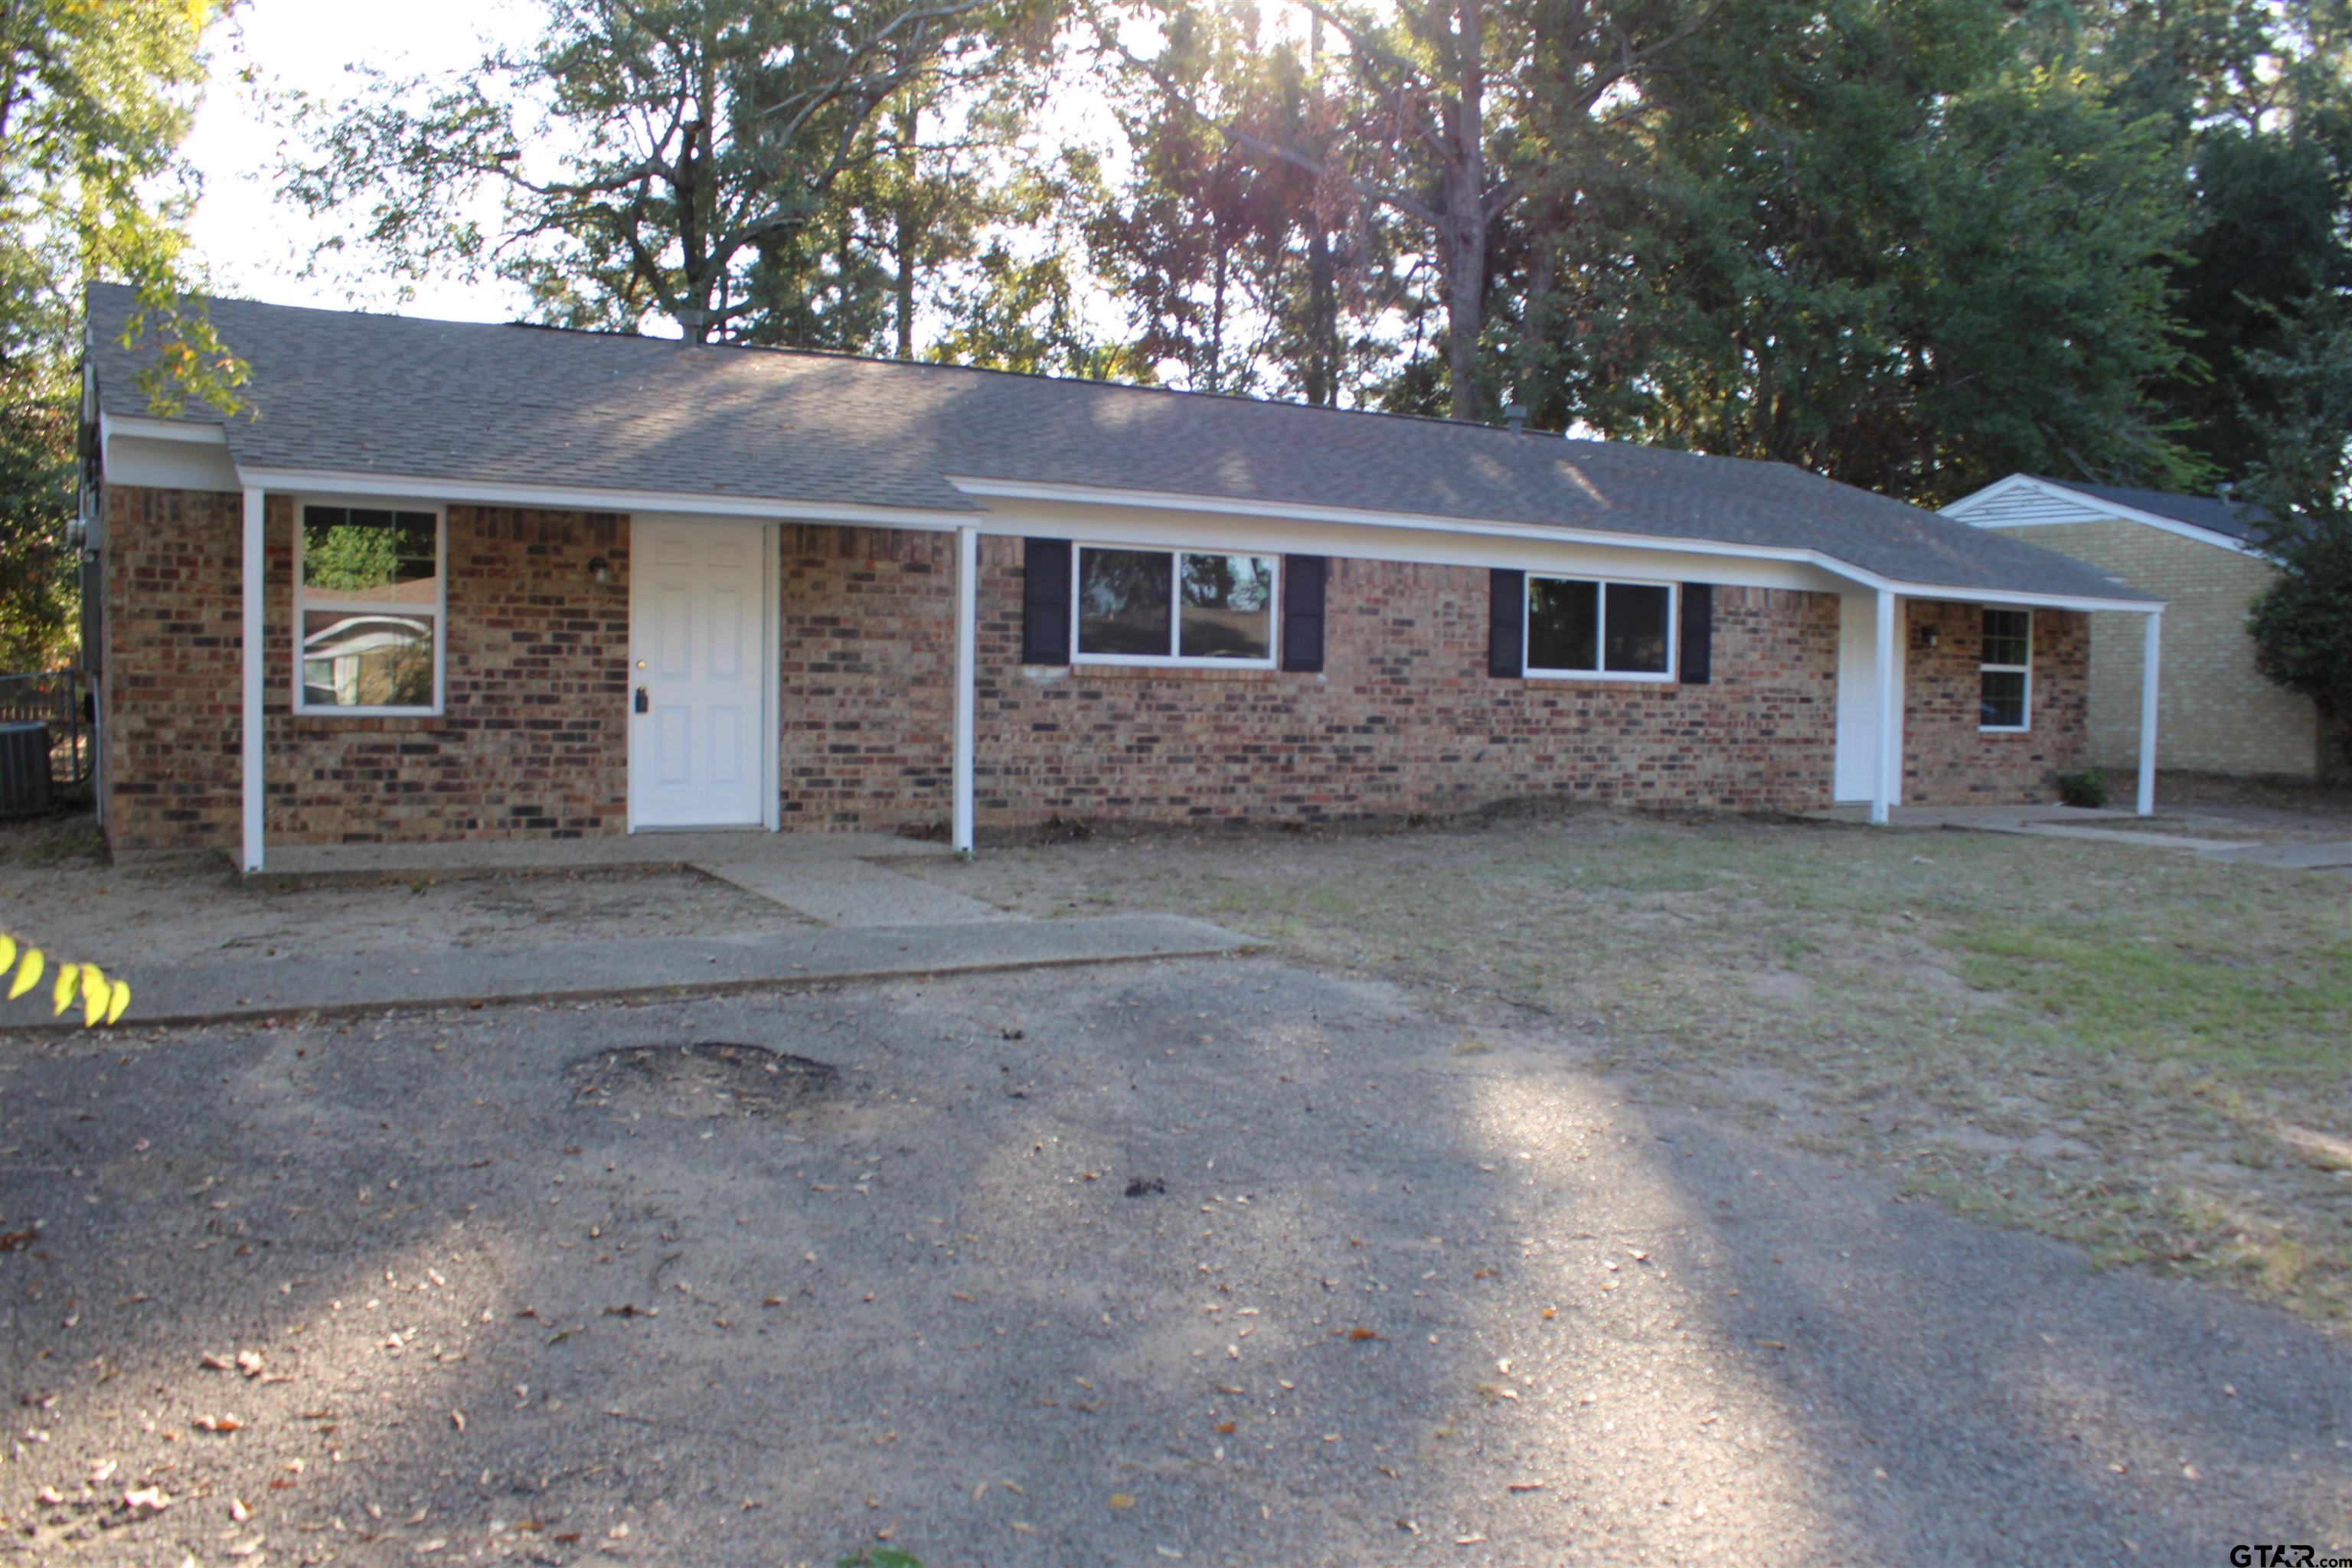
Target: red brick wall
point(868, 700)
point(171, 667)
point(532, 740)
point(1403, 719)
point(1947, 759)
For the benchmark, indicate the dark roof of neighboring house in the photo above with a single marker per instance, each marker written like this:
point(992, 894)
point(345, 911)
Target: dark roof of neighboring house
point(2209, 512)
point(394, 396)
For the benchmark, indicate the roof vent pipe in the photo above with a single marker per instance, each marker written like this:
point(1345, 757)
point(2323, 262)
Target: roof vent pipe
point(1516, 413)
point(2226, 489)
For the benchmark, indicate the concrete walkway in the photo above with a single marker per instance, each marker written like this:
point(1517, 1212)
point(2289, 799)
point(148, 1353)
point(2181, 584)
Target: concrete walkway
point(666, 967)
point(873, 923)
point(2103, 826)
point(847, 892)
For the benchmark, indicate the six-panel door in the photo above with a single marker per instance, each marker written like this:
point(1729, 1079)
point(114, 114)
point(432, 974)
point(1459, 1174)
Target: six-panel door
point(697, 682)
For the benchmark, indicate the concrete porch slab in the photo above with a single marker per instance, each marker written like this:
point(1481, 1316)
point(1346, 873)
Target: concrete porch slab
point(1980, 818)
point(381, 982)
point(632, 851)
point(851, 892)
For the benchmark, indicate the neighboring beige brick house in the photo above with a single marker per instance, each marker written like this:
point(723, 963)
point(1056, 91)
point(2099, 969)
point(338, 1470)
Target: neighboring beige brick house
point(2216, 712)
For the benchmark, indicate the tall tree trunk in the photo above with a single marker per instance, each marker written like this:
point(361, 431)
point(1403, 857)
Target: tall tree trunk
point(1217, 320)
point(1322, 373)
point(906, 222)
point(1466, 302)
point(1321, 380)
point(1462, 207)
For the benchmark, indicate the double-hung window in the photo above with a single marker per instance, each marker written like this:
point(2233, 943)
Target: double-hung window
point(1172, 607)
point(1599, 630)
point(368, 610)
point(2005, 675)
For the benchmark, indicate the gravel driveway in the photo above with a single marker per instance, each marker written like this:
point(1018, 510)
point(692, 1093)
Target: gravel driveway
point(1219, 1262)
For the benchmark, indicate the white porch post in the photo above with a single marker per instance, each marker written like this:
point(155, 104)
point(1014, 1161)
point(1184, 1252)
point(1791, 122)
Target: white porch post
point(249, 710)
point(2148, 691)
point(1890, 713)
point(967, 655)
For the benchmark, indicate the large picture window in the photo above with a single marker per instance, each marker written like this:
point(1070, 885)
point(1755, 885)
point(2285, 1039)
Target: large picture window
point(1586, 627)
point(368, 610)
point(1176, 606)
point(2005, 679)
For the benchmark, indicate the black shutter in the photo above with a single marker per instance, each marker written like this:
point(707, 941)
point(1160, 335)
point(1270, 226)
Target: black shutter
point(1698, 633)
point(1045, 601)
point(1506, 623)
point(1302, 611)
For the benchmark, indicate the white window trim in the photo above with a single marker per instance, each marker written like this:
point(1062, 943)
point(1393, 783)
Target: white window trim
point(2026, 669)
point(440, 610)
point(1529, 670)
point(1172, 659)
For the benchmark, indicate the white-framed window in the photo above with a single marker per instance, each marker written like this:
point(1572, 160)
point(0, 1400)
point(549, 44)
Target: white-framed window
point(1593, 628)
point(370, 603)
point(2005, 672)
point(1204, 607)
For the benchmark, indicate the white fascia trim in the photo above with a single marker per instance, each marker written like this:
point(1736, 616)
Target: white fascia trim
point(2099, 504)
point(110, 426)
point(493, 492)
point(1991, 492)
point(2027, 601)
point(1304, 512)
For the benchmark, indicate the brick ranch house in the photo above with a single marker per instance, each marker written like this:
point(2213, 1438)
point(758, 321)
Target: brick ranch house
point(445, 580)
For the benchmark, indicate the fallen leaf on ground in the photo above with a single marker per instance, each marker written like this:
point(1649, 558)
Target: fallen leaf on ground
point(220, 1424)
point(1121, 1501)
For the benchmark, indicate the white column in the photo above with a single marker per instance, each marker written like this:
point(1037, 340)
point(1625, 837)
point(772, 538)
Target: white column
point(967, 656)
point(249, 710)
point(2148, 691)
point(1890, 713)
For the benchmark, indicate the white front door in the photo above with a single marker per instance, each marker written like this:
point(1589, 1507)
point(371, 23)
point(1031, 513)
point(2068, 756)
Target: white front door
point(697, 680)
point(1858, 710)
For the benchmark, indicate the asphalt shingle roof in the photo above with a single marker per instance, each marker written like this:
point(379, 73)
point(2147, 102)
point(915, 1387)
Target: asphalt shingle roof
point(2225, 518)
point(394, 396)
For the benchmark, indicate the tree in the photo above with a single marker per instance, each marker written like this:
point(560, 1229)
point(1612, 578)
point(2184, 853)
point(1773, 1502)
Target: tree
point(1020, 303)
point(94, 101)
point(1869, 241)
point(2302, 625)
point(656, 159)
point(2260, 93)
point(1458, 111)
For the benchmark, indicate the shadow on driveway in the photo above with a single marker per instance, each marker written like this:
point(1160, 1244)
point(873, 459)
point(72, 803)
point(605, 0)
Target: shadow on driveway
point(1375, 1298)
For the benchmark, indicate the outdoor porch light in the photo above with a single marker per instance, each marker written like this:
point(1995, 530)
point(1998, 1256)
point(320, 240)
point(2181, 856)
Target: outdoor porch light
point(1927, 636)
point(600, 571)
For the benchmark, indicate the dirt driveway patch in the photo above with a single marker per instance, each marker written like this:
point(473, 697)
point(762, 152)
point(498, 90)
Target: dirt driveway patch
point(2140, 1051)
point(1216, 1261)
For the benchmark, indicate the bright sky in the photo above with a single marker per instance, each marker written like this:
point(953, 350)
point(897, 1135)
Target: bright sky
point(252, 245)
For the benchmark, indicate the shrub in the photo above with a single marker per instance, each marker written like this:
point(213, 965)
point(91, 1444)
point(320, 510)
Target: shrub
point(2088, 788)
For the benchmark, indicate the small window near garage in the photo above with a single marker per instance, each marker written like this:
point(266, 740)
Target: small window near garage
point(2005, 689)
point(1174, 606)
point(1599, 630)
point(368, 604)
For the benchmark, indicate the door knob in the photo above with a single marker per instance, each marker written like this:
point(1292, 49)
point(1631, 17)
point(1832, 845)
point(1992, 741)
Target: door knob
point(643, 705)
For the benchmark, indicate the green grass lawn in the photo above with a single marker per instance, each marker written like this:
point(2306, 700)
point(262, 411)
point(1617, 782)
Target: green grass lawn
point(2134, 1049)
